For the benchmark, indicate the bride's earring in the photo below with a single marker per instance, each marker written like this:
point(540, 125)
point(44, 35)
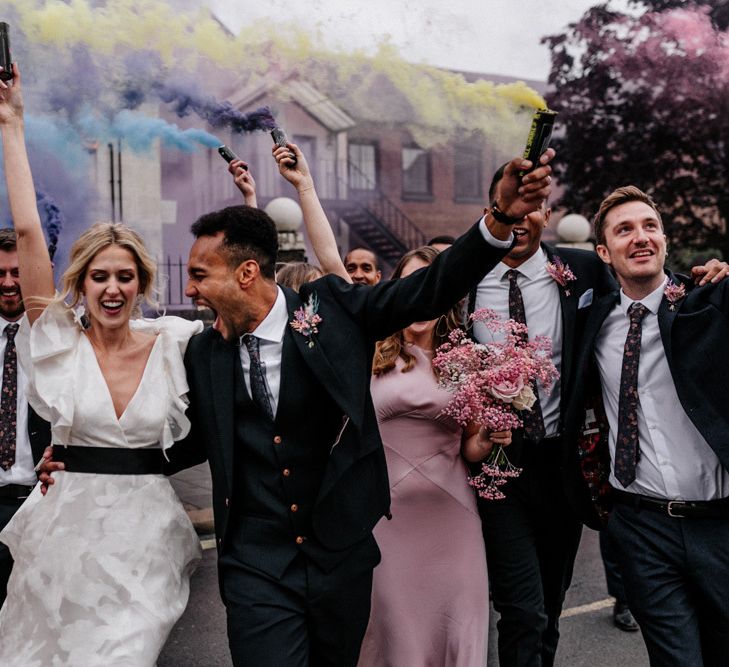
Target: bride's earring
point(80, 314)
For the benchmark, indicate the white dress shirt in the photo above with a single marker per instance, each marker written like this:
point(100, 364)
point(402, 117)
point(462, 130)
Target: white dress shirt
point(675, 461)
point(543, 313)
point(270, 333)
point(22, 471)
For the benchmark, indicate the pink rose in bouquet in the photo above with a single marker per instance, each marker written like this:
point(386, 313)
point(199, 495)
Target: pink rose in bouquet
point(491, 383)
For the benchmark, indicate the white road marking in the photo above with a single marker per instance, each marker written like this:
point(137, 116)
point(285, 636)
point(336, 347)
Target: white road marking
point(588, 608)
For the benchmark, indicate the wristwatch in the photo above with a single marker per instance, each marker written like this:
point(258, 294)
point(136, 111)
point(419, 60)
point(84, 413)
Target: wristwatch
point(501, 217)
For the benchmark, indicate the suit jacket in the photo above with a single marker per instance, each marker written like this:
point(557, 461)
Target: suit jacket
point(354, 491)
point(694, 335)
point(592, 280)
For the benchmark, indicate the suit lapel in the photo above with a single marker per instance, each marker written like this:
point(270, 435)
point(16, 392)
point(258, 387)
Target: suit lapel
point(666, 317)
point(224, 357)
point(569, 318)
point(316, 360)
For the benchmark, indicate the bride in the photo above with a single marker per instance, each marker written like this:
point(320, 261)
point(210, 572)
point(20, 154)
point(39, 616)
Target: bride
point(102, 563)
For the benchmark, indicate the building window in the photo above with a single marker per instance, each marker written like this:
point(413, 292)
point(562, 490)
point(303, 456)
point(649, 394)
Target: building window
point(416, 175)
point(468, 172)
point(362, 166)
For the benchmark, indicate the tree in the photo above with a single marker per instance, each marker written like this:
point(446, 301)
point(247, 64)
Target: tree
point(642, 98)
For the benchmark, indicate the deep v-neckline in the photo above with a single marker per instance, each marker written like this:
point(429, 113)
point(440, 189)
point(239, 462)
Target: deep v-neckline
point(118, 418)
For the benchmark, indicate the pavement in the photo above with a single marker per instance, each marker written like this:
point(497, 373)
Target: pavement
point(194, 487)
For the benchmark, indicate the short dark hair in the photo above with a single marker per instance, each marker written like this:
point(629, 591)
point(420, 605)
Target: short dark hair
point(8, 239)
point(443, 238)
point(248, 233)
point(618, 197)
point(376, 261)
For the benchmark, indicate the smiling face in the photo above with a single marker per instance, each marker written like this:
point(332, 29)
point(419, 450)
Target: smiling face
point(635, 246)
point(212, 283)
point(11, 301)
point(111, 286)
point(361, 265)
point(528, 234)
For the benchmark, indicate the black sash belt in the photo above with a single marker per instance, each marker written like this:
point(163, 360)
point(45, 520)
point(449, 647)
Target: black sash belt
point(680, 509)
point(15, 491)
point(109, 460)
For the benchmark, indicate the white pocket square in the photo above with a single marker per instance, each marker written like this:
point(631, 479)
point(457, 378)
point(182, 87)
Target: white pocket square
point(585, 299)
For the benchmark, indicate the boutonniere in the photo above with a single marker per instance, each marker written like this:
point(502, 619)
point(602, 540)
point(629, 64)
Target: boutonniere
point(674, 293)
point(307, 318)
point(561, 273)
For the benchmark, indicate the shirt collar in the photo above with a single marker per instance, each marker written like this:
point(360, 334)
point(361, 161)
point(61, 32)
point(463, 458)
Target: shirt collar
point(652, 301)
point(531, 268)
point(273, 326)
point(4, 323)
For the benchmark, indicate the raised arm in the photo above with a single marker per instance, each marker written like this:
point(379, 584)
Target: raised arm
point(34, 264)
point(316, 222)
point(244, 181)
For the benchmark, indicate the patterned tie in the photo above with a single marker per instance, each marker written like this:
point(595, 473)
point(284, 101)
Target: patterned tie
point(532, 419)
point(9, 401)
point(626, 444)
point(257, 376)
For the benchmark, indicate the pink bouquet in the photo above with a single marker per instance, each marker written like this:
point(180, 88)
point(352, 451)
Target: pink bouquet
point(491, 384)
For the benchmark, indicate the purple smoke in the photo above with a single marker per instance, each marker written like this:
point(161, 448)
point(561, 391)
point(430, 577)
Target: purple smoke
point(218, 114)
point(52, 217)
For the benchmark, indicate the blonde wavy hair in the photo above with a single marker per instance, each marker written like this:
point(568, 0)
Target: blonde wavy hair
point(387, 351)
point(95, 239)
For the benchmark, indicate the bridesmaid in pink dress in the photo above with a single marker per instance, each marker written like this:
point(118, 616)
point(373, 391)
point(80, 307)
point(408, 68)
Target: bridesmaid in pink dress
point(430, 592)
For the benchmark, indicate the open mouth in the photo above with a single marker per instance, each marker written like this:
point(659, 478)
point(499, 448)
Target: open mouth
point(519, 232)
point(641, 254)
point(10, 293)
point(112, 307)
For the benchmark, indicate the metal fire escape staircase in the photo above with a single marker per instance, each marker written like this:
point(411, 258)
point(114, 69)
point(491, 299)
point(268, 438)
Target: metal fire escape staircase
point(377, 220)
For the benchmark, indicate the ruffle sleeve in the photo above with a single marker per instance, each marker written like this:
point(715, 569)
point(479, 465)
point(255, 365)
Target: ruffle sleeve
point(175, 332)
point(47, 355)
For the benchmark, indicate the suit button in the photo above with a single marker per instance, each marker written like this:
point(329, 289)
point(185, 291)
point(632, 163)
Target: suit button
point(220, 541)
point(285, 472)
point(277, 440)
point(227, 502)
point(294, 508)
point(300, 539)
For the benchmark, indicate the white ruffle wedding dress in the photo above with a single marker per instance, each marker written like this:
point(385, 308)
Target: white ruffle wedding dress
point(102, 562)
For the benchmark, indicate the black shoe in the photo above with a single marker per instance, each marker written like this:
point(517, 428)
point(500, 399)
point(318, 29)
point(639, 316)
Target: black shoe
point(623, 618)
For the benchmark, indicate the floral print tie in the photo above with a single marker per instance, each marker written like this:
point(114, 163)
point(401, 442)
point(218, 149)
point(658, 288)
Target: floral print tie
point(532, 419)
point(9, 401)
point(259, 388)
point(626, 444)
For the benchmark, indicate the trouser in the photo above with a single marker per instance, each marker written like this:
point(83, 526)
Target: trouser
point(676, 577)
point(307, 617)
point(609, 553)
point(531, 539)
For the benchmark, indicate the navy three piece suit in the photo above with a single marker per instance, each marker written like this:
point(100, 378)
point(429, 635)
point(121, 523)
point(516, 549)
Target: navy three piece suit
point(296, 498)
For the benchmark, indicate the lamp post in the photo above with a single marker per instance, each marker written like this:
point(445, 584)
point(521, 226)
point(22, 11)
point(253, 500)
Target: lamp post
point(573, 231)
point(287, 215)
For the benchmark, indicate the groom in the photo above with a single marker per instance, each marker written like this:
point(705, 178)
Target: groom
point(281, 409)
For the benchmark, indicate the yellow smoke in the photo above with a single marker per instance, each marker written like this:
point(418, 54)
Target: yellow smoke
point(436, 105)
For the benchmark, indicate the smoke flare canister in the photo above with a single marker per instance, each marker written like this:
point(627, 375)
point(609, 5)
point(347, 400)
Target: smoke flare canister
point(280, 139)
point(539, 135)
point(7, 72)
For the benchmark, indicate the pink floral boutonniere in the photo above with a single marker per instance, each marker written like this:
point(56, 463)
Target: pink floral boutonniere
point(674, 293)
point(561, 273)
point(306, 319)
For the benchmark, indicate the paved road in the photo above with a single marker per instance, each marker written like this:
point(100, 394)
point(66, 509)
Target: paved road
point(589, 638)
